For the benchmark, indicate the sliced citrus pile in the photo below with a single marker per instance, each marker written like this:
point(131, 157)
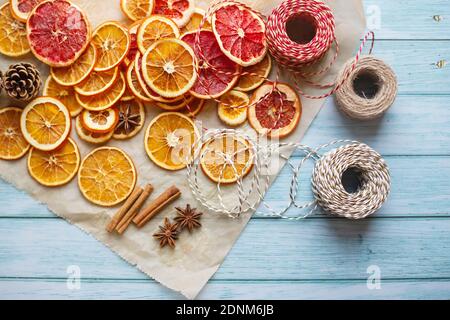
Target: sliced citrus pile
point(240, 33)
point(196, 21)
point(232, 109)
point(112, 42)
point(275, 112)
point(169, 67)
point(13, 34)
point(137, 9)
point(169, 139)
point(106, 99)
point(64, 94)
point(180, 11)
point(176, 105)
point(89, 136)
point(131, 119)
point(78, 71)
point(254, 76)
point(194, 107)
point(134, 85)
point(128, 94)
point(12, 142)
point(227, 159)
point(217, 74)
point(57, 167)
point(97, 82)
point(58, 32)
point(45, 123)
point(107, 176)
point(153, 29)
point(21, 9)
point(100, 121)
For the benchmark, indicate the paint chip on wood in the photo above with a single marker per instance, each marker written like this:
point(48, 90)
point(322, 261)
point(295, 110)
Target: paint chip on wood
point(437, 18)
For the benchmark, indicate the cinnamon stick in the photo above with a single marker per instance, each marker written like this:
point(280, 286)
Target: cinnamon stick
point(131, 213)
point(156, 206)
point(123, 210)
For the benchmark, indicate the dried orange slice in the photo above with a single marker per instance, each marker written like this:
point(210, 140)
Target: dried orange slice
point(100, 121)
point(57, 167)
point(275, 112)
point(131, 119)
point(107, 176)
point(180, 11)
point(105, 99)
point(45, 123)
point(195, 22)
point(137, 9)
point(169, 139)
point(194, 107)
point(176, 105)
point(169, 67)
point(21, 9)
point(153, 29)
point(219, 152)
point(64, 94)
point(254, 76)
point(97, 82)
point(232, 109)
point(14, 145)
point(13, 34)
point(135, 86)
point(78, 71)
point(128, 94)
point(91, 137)
point(112, 41)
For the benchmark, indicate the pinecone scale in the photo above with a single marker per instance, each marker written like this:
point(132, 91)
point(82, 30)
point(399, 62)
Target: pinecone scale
point(22, 81)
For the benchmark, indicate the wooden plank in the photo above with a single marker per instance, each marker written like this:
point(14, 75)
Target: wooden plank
point(406, 173)
point(224, 290)
point(268, 249)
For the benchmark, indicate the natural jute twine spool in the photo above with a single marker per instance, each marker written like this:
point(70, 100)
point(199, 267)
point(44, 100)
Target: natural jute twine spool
point(369, 91)
point(374, 181)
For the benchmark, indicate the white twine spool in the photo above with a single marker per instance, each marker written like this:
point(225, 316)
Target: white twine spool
point(369, 91)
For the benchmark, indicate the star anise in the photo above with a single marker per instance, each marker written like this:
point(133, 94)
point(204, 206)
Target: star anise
point(168, 234)
point(127, 120)
point(188, 218)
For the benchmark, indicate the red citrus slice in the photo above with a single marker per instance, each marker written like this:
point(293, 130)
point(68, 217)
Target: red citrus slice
point(180, 11)
point(216, 73)
point(20, 9)
point(58, 32)
point(275, 112)
point(134, 48)
point(240, 33)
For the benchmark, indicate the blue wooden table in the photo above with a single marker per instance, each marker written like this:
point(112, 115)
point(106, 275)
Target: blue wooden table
point(407, 243)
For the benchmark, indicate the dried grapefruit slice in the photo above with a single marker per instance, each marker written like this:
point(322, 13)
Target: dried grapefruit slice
point(21, 9)
point(194, 107)
point(217, 74)
point(169, 67)
point(14, 145)
point(64, 94)
point(180, 11)
point(135, 86)
point(254, 76)
point(91, 137)
point(58, 32)
point(195, 22)
point(240, 33)
point(78, 71)
point(105, 99)
point(134, 48)
point(57, 167)
point(112, 41)
point(169, 139)
point(217, 155)
point(131, 119)
point(155, 28)
point(232, 109)
point(97, 82)
point(45, 123)
point(107, 176)
point(137, 9)
point(100, 121)
point(13, 34)
point(275, 112)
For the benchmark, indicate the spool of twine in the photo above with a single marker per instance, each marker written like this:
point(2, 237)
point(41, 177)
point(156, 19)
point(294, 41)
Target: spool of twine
point(368, 89)
point(373, 187)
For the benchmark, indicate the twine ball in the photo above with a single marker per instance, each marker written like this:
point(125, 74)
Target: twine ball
point(374, 186)
point(369, 89)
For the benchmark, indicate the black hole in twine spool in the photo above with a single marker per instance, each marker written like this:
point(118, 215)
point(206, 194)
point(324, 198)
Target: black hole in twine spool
point(352, 180)
point(366, 84)
point(301, 28)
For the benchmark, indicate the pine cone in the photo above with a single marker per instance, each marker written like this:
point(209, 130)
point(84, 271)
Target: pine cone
point(22, 81)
